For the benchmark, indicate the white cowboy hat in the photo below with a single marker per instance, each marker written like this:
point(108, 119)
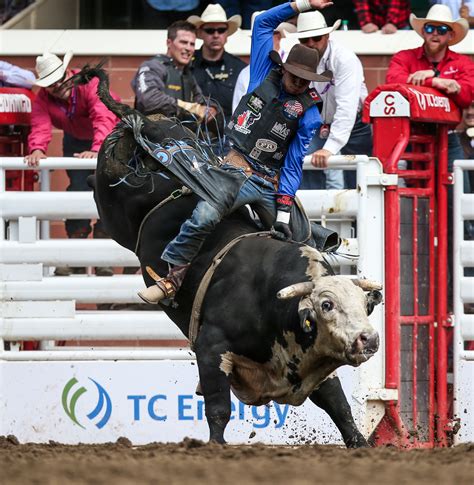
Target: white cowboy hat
point(282, 28)
point(214, 13)
point(312, 24)
point(441, 14)
point(50, 68)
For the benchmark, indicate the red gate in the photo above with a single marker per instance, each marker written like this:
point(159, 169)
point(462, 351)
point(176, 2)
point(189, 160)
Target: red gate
point(411, 123)
point(15, 118)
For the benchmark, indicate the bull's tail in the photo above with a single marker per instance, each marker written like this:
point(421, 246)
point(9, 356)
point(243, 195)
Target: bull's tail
point(87, 73)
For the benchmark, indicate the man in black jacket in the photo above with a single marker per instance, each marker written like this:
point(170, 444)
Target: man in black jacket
point(216, 70)
point(165, 85)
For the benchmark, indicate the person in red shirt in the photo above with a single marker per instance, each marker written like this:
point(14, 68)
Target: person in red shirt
point(85, 121)
point(434, 63)
point(385, 15)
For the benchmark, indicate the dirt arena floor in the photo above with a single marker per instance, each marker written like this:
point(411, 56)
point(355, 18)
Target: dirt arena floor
point(192, 462)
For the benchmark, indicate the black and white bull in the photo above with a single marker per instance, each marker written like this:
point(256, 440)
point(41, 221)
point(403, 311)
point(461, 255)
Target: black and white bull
point(275, 323)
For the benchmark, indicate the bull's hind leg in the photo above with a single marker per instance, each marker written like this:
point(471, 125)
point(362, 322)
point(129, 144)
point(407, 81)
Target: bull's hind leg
point(331, 398)
point(215, 384)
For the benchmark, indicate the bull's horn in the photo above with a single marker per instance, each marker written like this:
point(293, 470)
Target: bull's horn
point(367, 285)
point(298, 289)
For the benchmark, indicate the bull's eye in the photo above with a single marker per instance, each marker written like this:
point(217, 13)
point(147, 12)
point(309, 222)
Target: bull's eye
point(327, 306)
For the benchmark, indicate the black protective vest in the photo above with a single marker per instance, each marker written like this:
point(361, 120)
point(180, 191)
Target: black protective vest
point(263, 125)
point(178, 84)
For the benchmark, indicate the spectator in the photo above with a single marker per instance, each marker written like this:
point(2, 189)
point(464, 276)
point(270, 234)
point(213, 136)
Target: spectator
point(466, 134)
point(159, 14)
point(245, 9)
point(165, 85)
point(385, 15)
point(434, 64)
point(342, 9)
point(214, 69)
point(14, 76)
point(85, 121)
point(270, 130)
point(243, 80)
point(463, 8)
point(343, 97)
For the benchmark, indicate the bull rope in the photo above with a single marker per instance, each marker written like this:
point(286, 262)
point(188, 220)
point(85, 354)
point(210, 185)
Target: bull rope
point(195, 319)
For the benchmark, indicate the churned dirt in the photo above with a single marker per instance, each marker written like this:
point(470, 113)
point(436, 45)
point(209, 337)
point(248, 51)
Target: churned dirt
point(192, 462)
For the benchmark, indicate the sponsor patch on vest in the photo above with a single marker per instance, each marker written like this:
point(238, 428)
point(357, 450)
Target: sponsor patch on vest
point(255, 153)
point(163, 156)
point(278, 155)
point(314, 95)
point(255, 103)
point(174, 87)
point(280, 130)
point(266, 145)
point(244, 120)
point(292, 109)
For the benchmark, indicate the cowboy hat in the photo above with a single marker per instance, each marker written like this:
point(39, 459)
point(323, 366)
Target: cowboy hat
point(50, 68)
point(312, 24)
point(281, 28)
point(302, 62)
point(214, 13)
point(441, 14)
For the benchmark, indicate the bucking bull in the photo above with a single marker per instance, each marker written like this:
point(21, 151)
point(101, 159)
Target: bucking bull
point(274, 323)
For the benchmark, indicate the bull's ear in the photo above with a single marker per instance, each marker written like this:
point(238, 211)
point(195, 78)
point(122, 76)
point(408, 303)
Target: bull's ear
point(374, 297)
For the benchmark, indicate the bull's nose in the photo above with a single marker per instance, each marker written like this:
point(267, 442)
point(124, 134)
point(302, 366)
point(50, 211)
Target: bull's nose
point(367, 343)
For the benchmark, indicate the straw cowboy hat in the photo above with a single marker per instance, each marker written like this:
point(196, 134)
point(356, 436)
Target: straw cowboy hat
point(441, 14)
point(302, 62)
point(50, 68)
point(214, 13)
point(312, 24)
point(282, 28)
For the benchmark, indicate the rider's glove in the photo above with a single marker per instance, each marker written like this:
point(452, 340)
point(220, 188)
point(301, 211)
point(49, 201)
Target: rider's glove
point(195, 108)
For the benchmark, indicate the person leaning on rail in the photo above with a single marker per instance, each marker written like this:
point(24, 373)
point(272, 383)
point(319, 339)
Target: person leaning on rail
point(85, 121)
point(269, 132)
point(343, 98)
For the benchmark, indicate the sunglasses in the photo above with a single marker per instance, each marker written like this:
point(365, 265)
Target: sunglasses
point(213, 30)
point(441, 29)
point(314, 39)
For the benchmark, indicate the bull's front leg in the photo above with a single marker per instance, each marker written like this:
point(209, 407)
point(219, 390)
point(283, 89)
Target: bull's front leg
point(331, 398)
point(215, 384)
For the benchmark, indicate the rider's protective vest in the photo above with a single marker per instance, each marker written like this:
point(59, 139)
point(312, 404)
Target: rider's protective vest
point(178, 83)
point(264, 122)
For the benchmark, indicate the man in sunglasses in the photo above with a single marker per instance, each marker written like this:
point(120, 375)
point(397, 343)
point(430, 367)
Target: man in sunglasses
point(214, 69)
point(343, 96)
point(434, 63)
point(85, 121)
point(165, 84)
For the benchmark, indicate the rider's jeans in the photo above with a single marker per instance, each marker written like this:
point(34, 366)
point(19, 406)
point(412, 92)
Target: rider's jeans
point(184, 247)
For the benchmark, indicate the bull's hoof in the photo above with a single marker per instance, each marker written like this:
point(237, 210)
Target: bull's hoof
point(152, 295)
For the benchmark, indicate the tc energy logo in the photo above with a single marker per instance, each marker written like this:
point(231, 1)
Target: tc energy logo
point(73, 391)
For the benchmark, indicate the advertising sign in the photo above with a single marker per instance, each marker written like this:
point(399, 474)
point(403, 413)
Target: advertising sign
point(97, 402)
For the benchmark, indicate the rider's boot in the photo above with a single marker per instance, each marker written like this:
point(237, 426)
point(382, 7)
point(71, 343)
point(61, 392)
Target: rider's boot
point(165, 288)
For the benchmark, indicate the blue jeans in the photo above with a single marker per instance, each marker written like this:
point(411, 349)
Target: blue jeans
point(359, 143)
point(254, 190)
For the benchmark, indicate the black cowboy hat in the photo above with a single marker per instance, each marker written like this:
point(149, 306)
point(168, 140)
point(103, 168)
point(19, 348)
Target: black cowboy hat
point(302, 62)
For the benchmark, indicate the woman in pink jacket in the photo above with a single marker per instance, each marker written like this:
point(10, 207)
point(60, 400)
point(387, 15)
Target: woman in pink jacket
point(85, 122)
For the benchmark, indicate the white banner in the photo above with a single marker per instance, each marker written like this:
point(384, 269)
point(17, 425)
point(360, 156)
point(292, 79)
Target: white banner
point(97, 402)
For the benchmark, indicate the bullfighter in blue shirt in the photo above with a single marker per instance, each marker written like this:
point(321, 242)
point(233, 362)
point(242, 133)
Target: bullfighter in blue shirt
point(269, 133)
